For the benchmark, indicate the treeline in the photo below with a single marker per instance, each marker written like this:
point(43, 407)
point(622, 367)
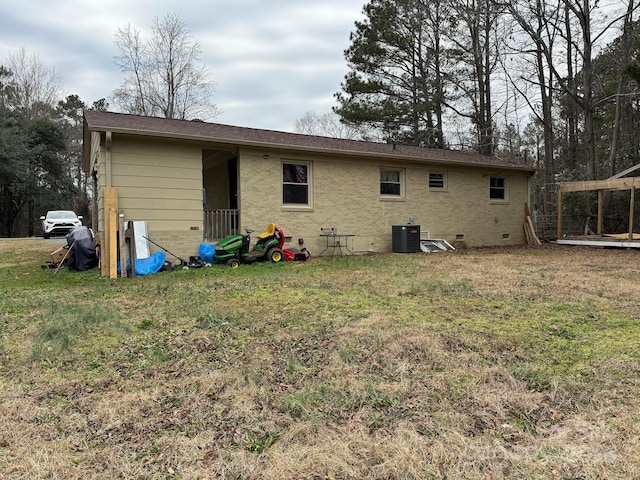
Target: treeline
point(554, 84)
point(40, 148)
point(41, 135)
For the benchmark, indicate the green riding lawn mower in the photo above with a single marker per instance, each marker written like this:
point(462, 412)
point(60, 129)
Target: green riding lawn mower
point(235, 249)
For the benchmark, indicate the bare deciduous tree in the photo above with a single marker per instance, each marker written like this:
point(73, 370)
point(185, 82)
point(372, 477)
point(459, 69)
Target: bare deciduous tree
point(328, 125)
point(574, 27)
point(163, 76)
point(36, 87)
point(478, 56)
point(534, 18)
point(585, 26)
point(622, 72)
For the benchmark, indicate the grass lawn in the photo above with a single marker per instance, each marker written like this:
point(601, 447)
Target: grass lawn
point(480, 364)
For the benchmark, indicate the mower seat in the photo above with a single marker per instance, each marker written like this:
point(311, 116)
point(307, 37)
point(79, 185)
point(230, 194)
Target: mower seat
point(271, 230)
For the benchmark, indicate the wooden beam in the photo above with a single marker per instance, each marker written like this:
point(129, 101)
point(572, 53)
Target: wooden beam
point(609, 184)
point(622, 236)
point(527, 234)
point(599, 243)
point(532, 232)
point(108, 248)
point(627, 171)
point(112, 242)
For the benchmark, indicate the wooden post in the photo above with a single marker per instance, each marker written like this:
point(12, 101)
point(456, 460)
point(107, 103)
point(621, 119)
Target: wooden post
point(527, 235)
point(600, 202)
point(108, 249)
point(631, 211)
point(112, 242)
point(559, 230)
point(534, 237)
point(130, 240)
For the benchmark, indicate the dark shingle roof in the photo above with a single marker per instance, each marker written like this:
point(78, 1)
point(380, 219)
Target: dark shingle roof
point(241, 136)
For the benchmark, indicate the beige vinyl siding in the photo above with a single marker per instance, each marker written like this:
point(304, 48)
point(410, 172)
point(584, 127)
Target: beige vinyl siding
point(160, 182)
point(148, 181)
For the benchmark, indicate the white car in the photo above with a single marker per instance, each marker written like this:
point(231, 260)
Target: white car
point(59, 222)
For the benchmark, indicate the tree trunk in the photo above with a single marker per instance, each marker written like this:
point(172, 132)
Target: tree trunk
point(572, 134)
point(587, 85)
point(615, 134)
point(546, 97)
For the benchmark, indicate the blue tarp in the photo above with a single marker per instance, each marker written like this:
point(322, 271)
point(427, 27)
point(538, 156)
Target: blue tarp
point(147, 266)
point(153, 264)
point(207, 252)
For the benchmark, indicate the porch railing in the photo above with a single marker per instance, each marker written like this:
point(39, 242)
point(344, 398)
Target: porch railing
point(220, 223)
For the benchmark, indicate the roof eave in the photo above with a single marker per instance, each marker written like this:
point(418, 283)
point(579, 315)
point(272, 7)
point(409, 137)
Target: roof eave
point(288, 147)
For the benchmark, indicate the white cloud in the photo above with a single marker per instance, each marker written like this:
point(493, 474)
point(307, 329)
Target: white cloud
point(272, 60)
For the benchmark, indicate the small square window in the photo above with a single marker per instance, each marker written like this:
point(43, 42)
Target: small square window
point(497, 189)
point(437, 180)
point(391, 183)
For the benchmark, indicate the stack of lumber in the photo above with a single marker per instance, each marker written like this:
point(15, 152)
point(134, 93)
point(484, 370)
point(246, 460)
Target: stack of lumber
point(624, 236)
point(529, 231)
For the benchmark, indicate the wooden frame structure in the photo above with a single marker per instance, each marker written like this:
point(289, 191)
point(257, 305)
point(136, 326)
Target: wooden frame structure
point(616, 182)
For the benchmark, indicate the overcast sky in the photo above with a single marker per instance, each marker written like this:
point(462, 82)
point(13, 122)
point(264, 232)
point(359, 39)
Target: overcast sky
point(272, 60)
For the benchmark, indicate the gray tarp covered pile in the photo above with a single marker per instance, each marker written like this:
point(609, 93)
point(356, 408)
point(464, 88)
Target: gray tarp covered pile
point(83, 254)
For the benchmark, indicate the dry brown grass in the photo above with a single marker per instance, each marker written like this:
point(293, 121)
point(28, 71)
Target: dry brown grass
point(483, 364)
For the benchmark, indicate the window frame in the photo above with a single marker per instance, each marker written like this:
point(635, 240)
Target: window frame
point(308, 184)
point(401, 183)
point(496, 188)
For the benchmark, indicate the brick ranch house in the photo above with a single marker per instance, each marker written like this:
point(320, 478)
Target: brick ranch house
point(193, 181)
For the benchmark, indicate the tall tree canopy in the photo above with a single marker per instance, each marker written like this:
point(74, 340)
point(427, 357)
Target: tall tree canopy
point(413, 62)
point(40, 147)
point(530, 79)
point(163, 74)
point(32, 170)
point(394, 85)
point(69, 114)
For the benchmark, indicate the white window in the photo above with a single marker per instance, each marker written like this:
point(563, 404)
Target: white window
point(295, 183)
point(391, 183)
point(497, 188)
